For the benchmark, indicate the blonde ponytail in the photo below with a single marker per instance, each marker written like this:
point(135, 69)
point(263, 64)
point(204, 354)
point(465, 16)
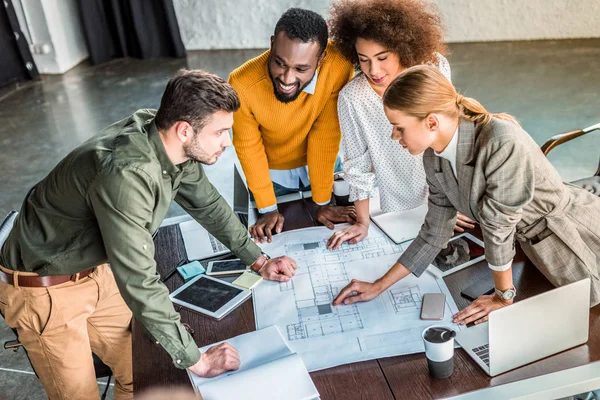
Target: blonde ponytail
point(472, 110)
point(422, 90)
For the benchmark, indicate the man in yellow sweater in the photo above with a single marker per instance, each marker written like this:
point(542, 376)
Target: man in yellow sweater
point(286, 133)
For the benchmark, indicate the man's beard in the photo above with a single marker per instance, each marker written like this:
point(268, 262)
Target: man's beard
point(285, 98)
point(196, 153)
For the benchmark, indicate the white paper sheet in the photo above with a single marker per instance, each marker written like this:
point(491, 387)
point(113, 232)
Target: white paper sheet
point(285, 378)
point(326, 336)
point(268, 370)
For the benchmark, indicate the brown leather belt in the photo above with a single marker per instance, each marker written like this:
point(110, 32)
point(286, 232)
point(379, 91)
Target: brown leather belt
point(43, 281)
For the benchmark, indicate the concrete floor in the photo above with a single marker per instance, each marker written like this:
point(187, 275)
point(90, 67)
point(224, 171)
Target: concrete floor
point(550, 86)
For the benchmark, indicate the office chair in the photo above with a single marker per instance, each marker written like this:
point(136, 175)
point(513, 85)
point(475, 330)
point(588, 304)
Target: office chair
point(102, 370)
point(592, 183)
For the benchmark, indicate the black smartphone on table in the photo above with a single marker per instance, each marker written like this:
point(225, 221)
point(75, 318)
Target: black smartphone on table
point(477, 289)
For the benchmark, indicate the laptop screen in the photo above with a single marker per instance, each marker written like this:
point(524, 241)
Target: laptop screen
point(241, 199)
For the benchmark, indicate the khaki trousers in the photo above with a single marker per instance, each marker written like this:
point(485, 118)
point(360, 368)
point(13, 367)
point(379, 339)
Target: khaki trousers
point(61, 325)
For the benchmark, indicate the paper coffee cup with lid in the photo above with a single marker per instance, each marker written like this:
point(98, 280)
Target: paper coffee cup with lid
point(439, 350)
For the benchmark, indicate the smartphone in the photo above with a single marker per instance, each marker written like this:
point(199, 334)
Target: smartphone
point(433, 306)
point(477, 289)
point(225, 267)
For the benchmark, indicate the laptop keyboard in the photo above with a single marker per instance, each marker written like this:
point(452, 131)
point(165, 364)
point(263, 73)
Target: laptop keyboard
point(243, 218)
point(483, 352)
point(216, 245)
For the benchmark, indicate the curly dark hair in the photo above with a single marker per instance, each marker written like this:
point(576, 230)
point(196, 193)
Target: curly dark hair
point(412, 29)
point(305, 25)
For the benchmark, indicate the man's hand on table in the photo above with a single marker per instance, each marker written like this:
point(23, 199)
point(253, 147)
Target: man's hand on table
point(267, 223)
point(275, 269)
point(478, 310)
point(217, 359)
point(328, 214)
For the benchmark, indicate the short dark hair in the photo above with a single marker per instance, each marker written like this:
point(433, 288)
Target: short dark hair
point(412, 29)
point(194, 96)
point(305, 25)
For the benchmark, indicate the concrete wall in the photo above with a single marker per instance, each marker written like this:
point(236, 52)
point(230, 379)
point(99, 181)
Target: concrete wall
point(500, 20)
point(53, 29)
point(233, 24)
point(239, 24)
point(56, 37)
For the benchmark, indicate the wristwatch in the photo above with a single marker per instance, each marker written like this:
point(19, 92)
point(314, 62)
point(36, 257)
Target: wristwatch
point(266, 257)
point(507, 294)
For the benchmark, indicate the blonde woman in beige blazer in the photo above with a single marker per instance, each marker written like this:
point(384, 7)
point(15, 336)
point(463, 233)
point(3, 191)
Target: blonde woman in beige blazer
point(488, 168)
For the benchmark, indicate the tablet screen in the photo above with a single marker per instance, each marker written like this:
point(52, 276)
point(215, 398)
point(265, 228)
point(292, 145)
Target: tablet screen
point(460, 250)
point(208, 294)
point(228, 265)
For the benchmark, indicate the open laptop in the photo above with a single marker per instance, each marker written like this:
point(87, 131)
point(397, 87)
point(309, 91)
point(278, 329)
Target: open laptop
point(199, 244)
point(531, 329)
point(241, 197)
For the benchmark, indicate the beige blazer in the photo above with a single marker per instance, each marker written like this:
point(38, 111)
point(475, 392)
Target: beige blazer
point(508, 186)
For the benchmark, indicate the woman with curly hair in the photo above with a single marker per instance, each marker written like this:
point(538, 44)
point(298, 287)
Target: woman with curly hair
point(488, 167)
point(382, 38)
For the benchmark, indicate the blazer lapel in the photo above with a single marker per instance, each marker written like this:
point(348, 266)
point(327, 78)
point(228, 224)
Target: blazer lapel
point(445, 176)
point(465, 165)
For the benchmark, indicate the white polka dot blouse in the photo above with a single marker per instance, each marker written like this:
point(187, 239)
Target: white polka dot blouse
point(371, 157)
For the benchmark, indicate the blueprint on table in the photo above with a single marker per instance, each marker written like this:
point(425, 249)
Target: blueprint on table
point(326, 336)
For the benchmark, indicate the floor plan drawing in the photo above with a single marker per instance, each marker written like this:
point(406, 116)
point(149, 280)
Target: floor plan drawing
point(321, 276)
point(406, 299)
point(314, 289)
point(324, 335)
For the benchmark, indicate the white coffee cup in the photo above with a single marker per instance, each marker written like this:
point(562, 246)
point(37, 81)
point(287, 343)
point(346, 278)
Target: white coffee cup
point(341, 187)
point(341, 191)
point(439, 350)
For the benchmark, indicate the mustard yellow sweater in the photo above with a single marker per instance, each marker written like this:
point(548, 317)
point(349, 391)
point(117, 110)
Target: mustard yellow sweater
point(269, 134)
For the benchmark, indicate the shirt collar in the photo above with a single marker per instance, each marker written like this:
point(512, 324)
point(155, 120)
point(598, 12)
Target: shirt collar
point(310, 88)
point(166, 164)
point(449, 153)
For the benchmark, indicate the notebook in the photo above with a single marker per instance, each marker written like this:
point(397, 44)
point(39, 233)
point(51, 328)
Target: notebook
point(269, 370)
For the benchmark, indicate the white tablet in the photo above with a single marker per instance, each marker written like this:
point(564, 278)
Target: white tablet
point(210, 296)
point(225, 267)
point(462, 251)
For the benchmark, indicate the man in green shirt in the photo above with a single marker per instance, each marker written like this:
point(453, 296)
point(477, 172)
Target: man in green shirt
point(101, 204)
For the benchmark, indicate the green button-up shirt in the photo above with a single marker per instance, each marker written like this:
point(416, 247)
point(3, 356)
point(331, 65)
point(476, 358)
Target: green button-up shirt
point(103, 202)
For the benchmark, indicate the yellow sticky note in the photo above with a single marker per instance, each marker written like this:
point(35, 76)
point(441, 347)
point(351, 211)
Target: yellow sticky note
point(247, 280)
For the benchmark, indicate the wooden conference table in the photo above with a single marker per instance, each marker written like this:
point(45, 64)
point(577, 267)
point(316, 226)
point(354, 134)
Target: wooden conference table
point(401, 377)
